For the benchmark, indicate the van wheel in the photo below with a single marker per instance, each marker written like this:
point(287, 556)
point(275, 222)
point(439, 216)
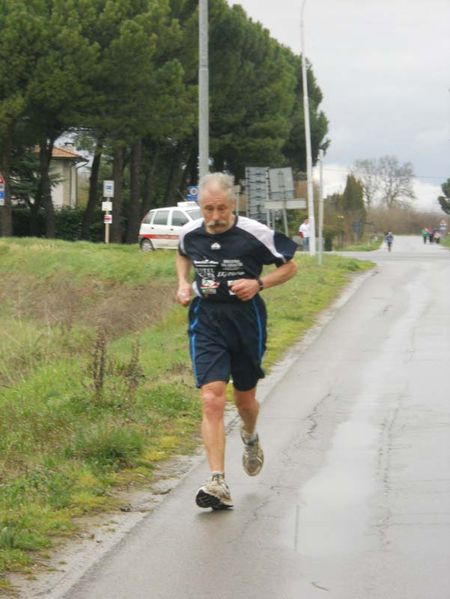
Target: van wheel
point(147, 245)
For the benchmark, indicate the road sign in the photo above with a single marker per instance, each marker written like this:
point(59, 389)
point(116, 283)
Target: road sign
point(257, 191)
point(298, 204)
point(107, 219)
point(2, 191)
point(108, 189)
point(106, 206)
point(192, 193)
point(281, 180)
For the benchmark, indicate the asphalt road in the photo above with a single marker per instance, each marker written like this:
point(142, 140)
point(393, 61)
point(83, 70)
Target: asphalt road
point(354, 498)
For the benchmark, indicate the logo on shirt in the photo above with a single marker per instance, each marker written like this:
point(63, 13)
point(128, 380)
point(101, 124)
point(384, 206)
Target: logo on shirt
point(209, 286)
point(216, 246)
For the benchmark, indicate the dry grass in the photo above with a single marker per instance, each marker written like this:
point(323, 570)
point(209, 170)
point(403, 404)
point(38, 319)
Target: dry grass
point(58, 302)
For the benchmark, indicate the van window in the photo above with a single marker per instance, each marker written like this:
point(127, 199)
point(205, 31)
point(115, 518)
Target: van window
point(160, 217)
point(147, 218)
point(178, 218)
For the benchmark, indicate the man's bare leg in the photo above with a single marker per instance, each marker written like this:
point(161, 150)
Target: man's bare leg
point(248, 408)
point(214, 493)
point(213, 429)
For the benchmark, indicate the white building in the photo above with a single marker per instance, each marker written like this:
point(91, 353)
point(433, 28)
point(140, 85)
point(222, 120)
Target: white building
point(64, 166)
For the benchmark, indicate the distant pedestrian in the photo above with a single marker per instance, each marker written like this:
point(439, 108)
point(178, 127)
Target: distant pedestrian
point(305, 231)
point(424, 233)
point(389, 238)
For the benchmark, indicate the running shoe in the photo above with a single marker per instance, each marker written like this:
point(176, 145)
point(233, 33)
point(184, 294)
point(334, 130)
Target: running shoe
point(253, 456)
point(214, 494)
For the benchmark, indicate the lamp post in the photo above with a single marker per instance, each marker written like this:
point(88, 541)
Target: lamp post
point(321, 208)
point(203, 90)
point(312, 238)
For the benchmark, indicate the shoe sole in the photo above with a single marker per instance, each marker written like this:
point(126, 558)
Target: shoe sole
point(205, 500)
point(257, 470)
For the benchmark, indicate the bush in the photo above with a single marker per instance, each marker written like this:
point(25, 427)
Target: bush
point(21, 221)
point(68, 223)
point(109, 446)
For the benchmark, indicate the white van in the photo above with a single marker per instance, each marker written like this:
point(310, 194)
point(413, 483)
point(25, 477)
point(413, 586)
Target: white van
point(160, 227)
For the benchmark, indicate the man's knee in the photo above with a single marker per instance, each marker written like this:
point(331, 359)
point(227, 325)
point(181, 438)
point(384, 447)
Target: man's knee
point(246, 400)
point(213, 398)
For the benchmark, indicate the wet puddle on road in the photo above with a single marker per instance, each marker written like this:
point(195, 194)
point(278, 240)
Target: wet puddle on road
point(333, 513)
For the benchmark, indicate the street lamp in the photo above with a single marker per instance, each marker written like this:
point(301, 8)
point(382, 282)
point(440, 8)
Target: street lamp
point(203, 90)
point(312, 238)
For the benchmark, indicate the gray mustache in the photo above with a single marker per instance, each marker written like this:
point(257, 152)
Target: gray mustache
point(216, 223)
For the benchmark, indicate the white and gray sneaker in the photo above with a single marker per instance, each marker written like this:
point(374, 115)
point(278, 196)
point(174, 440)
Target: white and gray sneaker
point(253, 456)
point(214, 494)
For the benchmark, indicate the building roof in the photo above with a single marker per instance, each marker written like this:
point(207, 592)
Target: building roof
point(65, 154)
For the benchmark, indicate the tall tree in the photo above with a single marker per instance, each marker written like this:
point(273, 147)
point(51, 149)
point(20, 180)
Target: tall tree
point(396, 181)
point(352, 206)
point(60, 87)
point(21, 45)
point(444, 200)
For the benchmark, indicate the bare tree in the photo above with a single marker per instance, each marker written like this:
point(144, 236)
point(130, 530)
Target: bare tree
point(367, 174)
point(396, 181)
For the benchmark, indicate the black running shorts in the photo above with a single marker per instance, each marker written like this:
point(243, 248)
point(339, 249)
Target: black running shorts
point(227, 340)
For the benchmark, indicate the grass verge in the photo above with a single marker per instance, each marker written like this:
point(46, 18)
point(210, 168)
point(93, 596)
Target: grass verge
point(95, 381)
point(367, 246)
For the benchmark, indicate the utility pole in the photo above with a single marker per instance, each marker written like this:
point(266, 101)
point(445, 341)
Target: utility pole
point(203, 91)
point(321, 208)
point(312, 238)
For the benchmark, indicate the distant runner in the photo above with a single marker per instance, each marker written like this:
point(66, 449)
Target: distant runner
point(389, 240)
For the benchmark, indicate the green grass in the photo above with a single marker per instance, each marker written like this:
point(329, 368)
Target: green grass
point(367, 246)
point(95, 380)
point(445, 241)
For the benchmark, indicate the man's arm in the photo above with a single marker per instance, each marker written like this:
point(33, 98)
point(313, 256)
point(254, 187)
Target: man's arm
point(246, 289)
point(183, 267)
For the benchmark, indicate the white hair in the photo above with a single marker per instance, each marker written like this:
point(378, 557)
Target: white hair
point(221, 180)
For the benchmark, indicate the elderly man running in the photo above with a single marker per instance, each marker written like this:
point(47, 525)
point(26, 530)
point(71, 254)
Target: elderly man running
point(227, 320)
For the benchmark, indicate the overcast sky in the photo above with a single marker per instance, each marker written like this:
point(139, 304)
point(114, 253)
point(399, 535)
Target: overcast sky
point(384, 69)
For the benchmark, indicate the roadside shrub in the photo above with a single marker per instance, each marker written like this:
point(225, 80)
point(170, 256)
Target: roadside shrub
point(68, 223)
point(21, 218)
point(108, 446)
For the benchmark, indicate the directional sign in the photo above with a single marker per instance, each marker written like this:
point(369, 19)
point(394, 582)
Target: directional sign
point(298, 204)
point(108, 189)
point(281, 180)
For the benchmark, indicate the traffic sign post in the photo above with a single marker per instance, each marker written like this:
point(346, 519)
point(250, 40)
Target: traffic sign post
point(282, 192)
point(108, 194)
point(107, 219)
point(2, 190)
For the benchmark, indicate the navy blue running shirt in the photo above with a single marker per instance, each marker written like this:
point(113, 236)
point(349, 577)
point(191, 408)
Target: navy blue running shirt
point(239, 253)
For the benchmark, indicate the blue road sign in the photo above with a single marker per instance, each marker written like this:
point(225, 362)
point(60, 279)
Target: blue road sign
point(192, 193)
